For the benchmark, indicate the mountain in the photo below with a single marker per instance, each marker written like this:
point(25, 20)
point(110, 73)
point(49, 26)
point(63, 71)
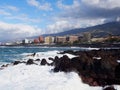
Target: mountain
point(97, 31)
point(102, 30)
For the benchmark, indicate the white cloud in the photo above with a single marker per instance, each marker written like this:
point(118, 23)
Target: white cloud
point(33, 3)
point(59, 26)
point(76, 4)
point(64, 24)
point(13, 8)
point(79, 14)
point(91, 8)
point(15, 31)
point(107, 4)
point(9, 7)
point(3, 12)
point(41, 6)
point(84, 13)
point(24, 18)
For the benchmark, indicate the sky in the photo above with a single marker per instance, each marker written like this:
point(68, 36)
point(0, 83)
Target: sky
point(26, 18)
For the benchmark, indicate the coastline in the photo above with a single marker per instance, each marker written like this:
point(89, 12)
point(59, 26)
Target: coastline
point(85, 65)
point(78, 45)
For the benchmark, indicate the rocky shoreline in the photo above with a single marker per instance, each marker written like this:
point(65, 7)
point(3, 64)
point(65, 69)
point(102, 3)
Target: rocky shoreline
point(92, 45)
point(95, 67)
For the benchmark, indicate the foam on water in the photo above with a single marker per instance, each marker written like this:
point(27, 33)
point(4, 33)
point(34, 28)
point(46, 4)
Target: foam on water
point(45, 55)
point(9, 54)
point(33, 77)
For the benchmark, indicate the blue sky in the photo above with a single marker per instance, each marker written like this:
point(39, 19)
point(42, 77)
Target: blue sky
point(26, 18)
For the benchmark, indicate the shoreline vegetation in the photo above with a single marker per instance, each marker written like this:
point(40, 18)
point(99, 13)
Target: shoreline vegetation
point(95, 67)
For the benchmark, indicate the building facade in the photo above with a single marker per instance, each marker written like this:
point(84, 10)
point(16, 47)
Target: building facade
point(72, 39)
point(41, 39)
point(36, 41)
point(48, 40)
point(61, 39)
point(25, 41)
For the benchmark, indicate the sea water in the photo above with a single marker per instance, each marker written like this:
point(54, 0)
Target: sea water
point(36, 77)
point(10, 54)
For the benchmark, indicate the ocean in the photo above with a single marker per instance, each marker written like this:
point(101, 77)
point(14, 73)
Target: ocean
point(10, 54)
point(37, 77)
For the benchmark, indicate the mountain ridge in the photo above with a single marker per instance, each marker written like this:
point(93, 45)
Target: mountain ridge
point(101, 30)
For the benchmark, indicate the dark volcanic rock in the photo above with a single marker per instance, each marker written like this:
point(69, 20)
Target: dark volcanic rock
point(51, 59)
point(117, 71)
point(109, 88)
point(43, 62)
point(96, 67)
point(62, 64)
point(16, 62)
point(30, 61)
point(37, 60)
point(5, 65)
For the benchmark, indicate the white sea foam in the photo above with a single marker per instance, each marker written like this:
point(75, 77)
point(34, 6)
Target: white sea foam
point(33, 77)
point(89, 48)
point(118, 61)
point(45, 55)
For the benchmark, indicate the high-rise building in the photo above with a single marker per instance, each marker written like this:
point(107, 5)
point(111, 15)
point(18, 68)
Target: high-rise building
point(72, 38)
point(41, 39)
point(48, 40)
point(25, 41)
point(53, 39)
point(61, 39)
point(36, 41)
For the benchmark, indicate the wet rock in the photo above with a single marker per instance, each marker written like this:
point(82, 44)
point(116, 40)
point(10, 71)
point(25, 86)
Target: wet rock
point(89, 80)
point(43, 62)
point(68, 51)
point(16, 62)
point(30, 61)
point(62, 64)
point(109, 88)
point(56, 61)
point(117, 71)
point(76, 64)
point(51, 59)
point(97, 67)
point(37, 60)
point(33, 54)
point(4, 66)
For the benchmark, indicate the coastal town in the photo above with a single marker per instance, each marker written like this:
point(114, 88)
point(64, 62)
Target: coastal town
point(59, 44)
point(67, 40)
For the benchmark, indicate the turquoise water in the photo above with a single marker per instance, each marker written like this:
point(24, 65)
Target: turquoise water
point(10, 54)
